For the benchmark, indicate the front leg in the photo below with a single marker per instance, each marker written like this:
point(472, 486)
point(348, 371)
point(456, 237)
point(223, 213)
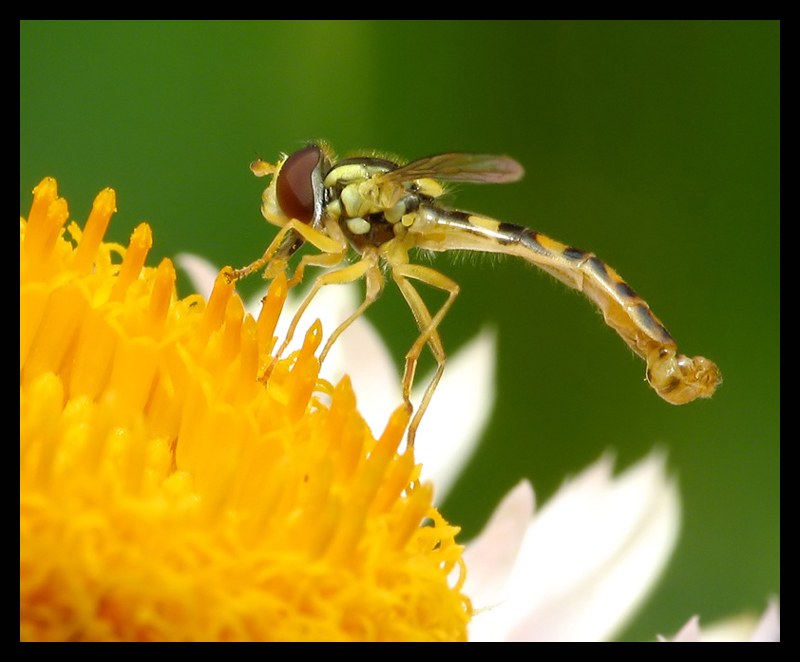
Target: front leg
point(367, 268)
point(289, 238)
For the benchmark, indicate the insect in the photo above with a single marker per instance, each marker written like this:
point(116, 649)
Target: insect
point(383, 210)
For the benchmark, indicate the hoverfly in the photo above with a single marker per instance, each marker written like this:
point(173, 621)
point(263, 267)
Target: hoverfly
point(383, 209)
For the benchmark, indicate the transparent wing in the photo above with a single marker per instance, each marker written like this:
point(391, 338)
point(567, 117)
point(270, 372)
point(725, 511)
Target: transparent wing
point(459, 167)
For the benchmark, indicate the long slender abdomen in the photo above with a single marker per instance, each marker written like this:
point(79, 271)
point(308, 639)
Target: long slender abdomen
point(624, 310)
point(675, 377)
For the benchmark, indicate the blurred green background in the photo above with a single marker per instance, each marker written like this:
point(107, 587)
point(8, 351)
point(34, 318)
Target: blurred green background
point(653, 144)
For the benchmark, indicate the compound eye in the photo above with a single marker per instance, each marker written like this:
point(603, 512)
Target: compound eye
point(298, 182)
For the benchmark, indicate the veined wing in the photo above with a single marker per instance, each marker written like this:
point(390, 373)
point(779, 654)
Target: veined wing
point(459, 167)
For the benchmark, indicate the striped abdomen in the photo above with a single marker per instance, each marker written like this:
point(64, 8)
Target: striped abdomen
point(675, 377)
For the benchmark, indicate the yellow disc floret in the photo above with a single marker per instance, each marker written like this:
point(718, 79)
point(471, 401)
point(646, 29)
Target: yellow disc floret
point(169, 491)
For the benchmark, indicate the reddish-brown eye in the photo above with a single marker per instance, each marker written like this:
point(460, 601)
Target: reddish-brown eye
point(296, 183)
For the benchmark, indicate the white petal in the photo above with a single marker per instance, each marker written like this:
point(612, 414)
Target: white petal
point(200, 271)
point(689, 633)
point(742, 628)
point(769, 626)
point(491, 557)
point(591, 554)
point(459, 411)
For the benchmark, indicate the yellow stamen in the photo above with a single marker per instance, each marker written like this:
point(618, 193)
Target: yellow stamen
point(171, 490)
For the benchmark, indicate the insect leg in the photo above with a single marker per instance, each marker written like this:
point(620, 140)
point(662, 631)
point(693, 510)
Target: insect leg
point(428, 331)
point(374, 279)
point(366, 267)
point(289, 238)
point(325, 259)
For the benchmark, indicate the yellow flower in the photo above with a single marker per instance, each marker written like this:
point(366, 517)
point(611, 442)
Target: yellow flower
point(168, 493)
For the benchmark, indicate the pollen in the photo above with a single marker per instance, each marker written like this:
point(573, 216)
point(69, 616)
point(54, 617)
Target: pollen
point(171, 490)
